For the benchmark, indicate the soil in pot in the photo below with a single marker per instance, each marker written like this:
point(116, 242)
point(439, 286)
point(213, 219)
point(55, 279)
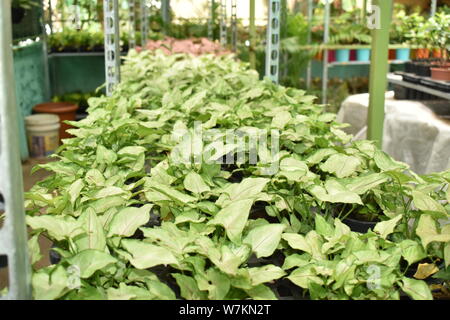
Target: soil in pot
point(277, 258)
point(286, 290)
point(258, 211)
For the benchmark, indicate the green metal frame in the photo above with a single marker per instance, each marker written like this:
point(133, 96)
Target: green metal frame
point(165, 13)
point(252, 36)
point(378, 72)
point(13, 235)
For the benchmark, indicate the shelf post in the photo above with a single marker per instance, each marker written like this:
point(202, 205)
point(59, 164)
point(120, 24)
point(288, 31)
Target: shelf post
point(326, 36)
point(308, 69)
point(132, 22)
point(223, 23)
point(112, 44)
point(13, 234)
point(273, 41)
point(433, 7)
point(211, 20)
point(233, 25)
point(144, 24)
point(378, 73)
point(165, 11)
point(252, 35)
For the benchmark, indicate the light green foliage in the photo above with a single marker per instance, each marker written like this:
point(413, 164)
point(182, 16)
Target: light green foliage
point(125, 167)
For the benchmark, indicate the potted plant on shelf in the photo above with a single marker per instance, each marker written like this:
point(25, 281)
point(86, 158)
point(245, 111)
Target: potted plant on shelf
point(345, 32)
point(408, 30)
point(439, 34)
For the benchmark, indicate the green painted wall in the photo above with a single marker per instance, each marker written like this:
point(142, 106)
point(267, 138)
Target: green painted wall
point(29, 73)
point(76, 73)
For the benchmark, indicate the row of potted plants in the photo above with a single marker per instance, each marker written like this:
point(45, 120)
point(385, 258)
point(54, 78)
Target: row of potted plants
point(71, 40)
point(432, 35)
point(429, 35)
point(143, 203)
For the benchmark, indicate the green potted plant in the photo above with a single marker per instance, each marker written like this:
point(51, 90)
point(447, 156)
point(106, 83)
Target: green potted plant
point(345, 31)
point(408, 29)
point(439, 34)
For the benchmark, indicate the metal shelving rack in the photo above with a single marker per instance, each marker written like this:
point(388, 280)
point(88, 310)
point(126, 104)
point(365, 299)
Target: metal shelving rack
point(112, 44)
point(211, 19)
point(325, 46)
point(233, 25)
point(132, 23)
point(144, 22)
point(223, 23)
point(13, 234)
point(273, 41)
point(165, 14)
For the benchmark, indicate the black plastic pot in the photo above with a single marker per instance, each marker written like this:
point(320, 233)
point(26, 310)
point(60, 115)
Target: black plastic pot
point(358, 225)
point(410, 67)
point(54, 256)
point(424, 70)
point(286, 290)
point(400, 93)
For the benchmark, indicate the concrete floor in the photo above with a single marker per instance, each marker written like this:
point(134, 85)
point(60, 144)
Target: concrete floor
point(29, 180)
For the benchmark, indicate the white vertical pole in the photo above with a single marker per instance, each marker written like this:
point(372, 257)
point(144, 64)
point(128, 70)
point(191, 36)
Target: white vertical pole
point(112, 44)
point(273, 41)
point(13, 234)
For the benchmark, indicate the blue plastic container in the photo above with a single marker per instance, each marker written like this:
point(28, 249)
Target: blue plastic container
point(343, 55)
point(402, 54)
point(363, 55)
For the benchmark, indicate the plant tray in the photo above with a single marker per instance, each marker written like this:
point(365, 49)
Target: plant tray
point(409, 77)
point(436, 84)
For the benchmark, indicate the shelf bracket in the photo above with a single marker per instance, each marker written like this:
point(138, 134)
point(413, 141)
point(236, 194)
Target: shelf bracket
point(223, 23)
point(273, 41)
point(326, 39)
point(211, 19)
point(132, 22)
point(165, 12)
point(233, 25)
point(144, 23)
point(112, 44)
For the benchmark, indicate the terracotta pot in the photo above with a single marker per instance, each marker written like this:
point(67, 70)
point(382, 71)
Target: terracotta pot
point(392, 54)
point(440, 74)
point(65, 111)
point(422, 54)
point(319, 55)
point(437, 53)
